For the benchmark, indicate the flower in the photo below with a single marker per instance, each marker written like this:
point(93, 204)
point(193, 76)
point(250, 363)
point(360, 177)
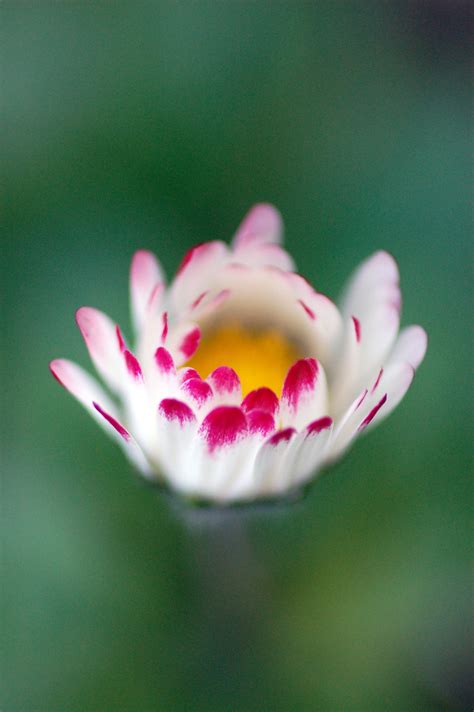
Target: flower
point(244, 381)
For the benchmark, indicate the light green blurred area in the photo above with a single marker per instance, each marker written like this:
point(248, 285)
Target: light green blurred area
point(158, 125)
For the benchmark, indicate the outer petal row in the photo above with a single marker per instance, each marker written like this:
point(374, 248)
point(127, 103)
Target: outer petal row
point(226, 458)
point(88, 392)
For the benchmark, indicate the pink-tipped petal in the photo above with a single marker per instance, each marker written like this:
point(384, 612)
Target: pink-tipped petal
point(164, 361)
point(371, 415)
point(326, 314)
point(369, 409)
point(300, 380)
point(196, 302)
point(274, 462)
point(100, 336)
point(155, 298)
point(309, 450)
point(120, 339)
point(164, 330)
point(319, 425)
point(145, 274)
point(197, 390)
point(190, 342)
point(185, 374)
point(223, 427)
point(357, 329)
point(196, 272)
point(177, 426)
point(376, 277)
point(308, 311)
point(347, 367)
point(175, 410)
point(128, 443)
point(282, 436)
point(373, 294)
point(261, 399)
point(262, 224)
point(183, 341)
point(210, 304)
point(377, 381)
point(113, 422)
point(395, 381)
point(88, 392)
point(360, 399)
point(304, 393)
point(191, 255)
point(133, 366)
point(261, 422)
point(80, 384)
point(346, 424)
point(225, 384)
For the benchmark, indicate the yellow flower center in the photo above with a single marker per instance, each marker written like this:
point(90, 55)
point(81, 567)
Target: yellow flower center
point(261, 358)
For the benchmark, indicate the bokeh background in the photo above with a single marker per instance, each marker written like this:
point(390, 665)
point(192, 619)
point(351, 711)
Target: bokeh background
point(158, 125)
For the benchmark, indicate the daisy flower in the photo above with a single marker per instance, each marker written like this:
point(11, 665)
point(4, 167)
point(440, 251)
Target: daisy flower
point(243, 380)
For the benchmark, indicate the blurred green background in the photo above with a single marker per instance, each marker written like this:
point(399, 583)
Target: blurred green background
point(158, 125)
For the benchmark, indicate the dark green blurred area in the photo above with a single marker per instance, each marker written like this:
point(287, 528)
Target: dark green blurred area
point(158, 125)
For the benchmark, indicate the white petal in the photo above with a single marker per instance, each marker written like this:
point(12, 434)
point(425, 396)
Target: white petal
point(126, 441)
point(146, 276)
point(395, 381)
point(373, 297)
point(370, 408)
point(82, 386)
point(311, 449)
point(176, 433)
point(104, 345)
point(274, 462)
point(346, 369)
point(197, 274)
point(265, 255)
point(375, 280)
point(262, 224)
point(89, 393)
point(222, 453)
point(410, 346)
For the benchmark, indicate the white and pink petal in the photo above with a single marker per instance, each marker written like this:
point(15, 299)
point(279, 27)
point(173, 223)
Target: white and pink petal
point(264, 254)
point(273, 463)
point(82, 386)
point(373, 296)
point(304, 395)
point(125, 439)
point(261, 225)
point(197, 393)
point(176, 432)
point(261, 399)
point(196, 272)
point(183, 341)
point(311, 449)
point(371, 407)
point(225, 385)
point(224, 457)
point(146, 285)
point(88, 392)
point(410, 346)
point(104, 344)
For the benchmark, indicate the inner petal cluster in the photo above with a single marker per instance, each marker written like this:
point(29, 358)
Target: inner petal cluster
point(261, 358)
